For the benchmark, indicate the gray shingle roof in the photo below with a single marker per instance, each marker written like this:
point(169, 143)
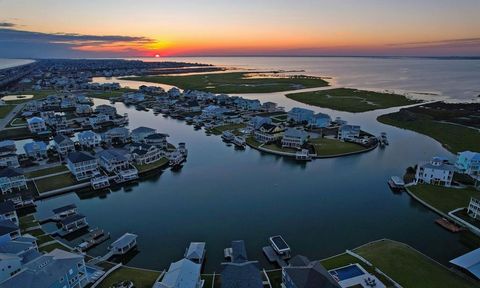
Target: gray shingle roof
point(306, 274)
point(7, 226)
point(10, 172)
point(71, 219)
point(64, 208)
point(7, 207)
point(77, 157)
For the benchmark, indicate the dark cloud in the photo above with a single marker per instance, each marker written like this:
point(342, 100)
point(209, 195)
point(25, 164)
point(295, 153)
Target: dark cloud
point(20, 43)
point(448, 43)
point(7, 24)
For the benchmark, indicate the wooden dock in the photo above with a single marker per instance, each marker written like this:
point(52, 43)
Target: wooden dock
point(448, 225)
point(273, 257)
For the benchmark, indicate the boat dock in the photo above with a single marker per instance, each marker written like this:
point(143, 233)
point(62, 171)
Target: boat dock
point(94, 238)
point(273, 257)
point(278, 251)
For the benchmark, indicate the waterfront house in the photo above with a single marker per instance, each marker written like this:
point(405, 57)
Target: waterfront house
point(132, 97)
point(294, 138)
point(196, 252)
point(106, 109)
point(190, 107)
point(320, 120)
point(82, 165)
point(435, 172)
point(56, 120)
point(10, 264)
point(269, 106)
point(468, 162)
point(302, 273)
point(8, 146)
point(123, 244)
point(348, 132)
point(300, 115)
point(37, 125)
point(116, 135)
point(82, 99)
point(36, 150)
point(240, 272)
point(83, 109)
point(474, 208)
point(8, 211)
point(63, 144)
point(145, 154)
point(157, 139)
point(11, 180)
point(257, 121)
point(139, 134)
point(72, 223)
point(98, 119)
point(56, 269)
point(8, 230)
point(113, 159)
point(89, 139)
point(268, 133)
point(213, 111)
point(181, 274)
point(67, 103)
point(247, 104)
point(8, 160)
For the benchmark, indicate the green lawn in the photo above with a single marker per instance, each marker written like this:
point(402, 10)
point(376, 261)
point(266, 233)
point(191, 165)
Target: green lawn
point(328, 147)
point(27, 222)
point(251, 141)
point(5, 109)
point(44, 239)
point(151, 166)
point(220, 129)
point(36, 95)
point(55, 182)
point(52, 247)
point(410, 268)
point(351, 100)
point(108, 94)
point(15, 134)
point(442, 198)
point(278, 148)
point(453, 137)
point(235, 82)
point(47, 171)
point(140, 278)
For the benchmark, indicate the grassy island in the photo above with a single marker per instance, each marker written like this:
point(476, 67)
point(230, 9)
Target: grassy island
point(327, 147)
point(351, 100)
point(455, 126)
point(236, 82)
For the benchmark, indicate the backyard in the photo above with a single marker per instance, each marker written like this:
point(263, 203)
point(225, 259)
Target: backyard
point(140, 278)
point(55, 182)
point(328, 147)
point(351, 100)
point(443, 198)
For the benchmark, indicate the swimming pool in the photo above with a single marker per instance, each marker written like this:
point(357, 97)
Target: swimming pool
point(347, 272)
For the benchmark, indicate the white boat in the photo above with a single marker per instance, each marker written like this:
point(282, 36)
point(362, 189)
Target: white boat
point(303, 155)
point(239, 142)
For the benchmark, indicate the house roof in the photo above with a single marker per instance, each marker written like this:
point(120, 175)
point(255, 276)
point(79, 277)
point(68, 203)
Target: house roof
point(195, 251)
point(62, 139)
point(64, 208)
point(87, 134)
point(77, 157)
point(35, 145)
point(241, 275)
point(9, 172)
point(183, 273)
point(268, 128)
point(470, 262)
point(7, 207)
point(44, 271)
point(306, 274)
point(295, 133)
point(71, 219)
point(322, 116)
point(124, 240)
point(113, 154)
point(469, 155)
point(143, 129)
point(7, 226)
point(239, 252)
point(35, 120)
point(157, 136)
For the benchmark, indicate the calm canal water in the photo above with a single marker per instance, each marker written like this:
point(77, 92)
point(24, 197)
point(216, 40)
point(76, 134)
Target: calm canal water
point(321, 208)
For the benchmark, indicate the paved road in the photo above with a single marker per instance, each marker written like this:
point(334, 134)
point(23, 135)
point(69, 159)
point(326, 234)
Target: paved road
point(4, 122)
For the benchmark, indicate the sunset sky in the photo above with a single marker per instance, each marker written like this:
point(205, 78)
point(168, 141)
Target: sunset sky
point(116, 28)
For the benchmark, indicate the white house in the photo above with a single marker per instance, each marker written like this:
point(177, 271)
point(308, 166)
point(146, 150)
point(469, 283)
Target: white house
point(258, 121)
point(294, 138)
point(9, 160)
point(157, 139)
point(474, 208)
point(98, 119)
point(348, 132)
point(106, 109)
point(12, 179)
point(82, 165)
point(63, 144)
point(145, 154)
point(320, 120)
point(83, 109)
point(268, 133)
point(468, 162)
point(36, 150)
point(435, 172)
point(299, 115)
point(113, 160)
point(89, 139)
point(117, 134)
point(37, 125)
point(181, 274)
